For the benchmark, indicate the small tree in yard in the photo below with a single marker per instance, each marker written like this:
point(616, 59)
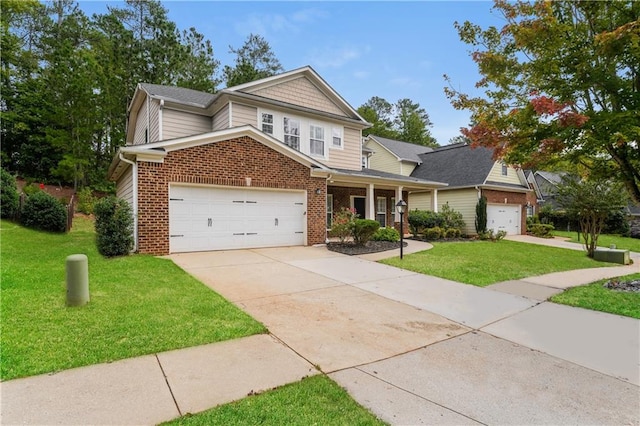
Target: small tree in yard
point(9, 198)
point(114, 226)
point(481, 215)
point(590, 202)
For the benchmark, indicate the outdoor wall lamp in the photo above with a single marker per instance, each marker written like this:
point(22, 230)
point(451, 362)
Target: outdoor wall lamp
point(401, 207)
point(318, 191)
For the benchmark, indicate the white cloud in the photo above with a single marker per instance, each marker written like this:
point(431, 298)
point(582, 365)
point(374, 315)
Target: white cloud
point(406, 82)
point(272, 23)
point(336, 57)
point(361, 74)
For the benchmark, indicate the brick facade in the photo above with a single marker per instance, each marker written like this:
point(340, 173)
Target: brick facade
point(503, 197)
point(226, 163)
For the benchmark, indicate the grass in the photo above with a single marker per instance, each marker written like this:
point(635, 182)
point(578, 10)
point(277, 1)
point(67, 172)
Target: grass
point(598, 298)
point(139, 305)
point(482, 262)
point(605, 240)
point(315, 400)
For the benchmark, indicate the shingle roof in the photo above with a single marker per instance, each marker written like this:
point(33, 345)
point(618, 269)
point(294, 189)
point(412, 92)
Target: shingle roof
point(555, 178)
point(403, 150)
point(458, 165)
point(179, 94)
point(378, 173)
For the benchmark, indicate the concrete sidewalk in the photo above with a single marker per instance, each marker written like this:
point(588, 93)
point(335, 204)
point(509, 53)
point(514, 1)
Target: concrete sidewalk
point(414, 349)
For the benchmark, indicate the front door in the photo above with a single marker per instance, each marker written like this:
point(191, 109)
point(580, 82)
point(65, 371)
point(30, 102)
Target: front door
point(359, 204)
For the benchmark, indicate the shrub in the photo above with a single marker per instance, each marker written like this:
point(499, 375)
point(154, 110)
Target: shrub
point(114, 226)
point(532, 220)
point(86, 200)
point(452, 233)
point(616, 223)
point(542, 230)
point(434, 233)
point(43, 211)
point(450, 217)
point(386, 234)
point(481, 215)
point(342, 224)
point(9, 198)
point(363, 230)
point(419, 220)
point(492, 236)
point(31, 189)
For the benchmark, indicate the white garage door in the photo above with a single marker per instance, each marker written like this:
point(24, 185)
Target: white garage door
point(504, 217)
point(206, 218)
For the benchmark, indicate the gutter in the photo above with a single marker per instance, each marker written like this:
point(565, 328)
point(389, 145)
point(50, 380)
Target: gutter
point(134, 165)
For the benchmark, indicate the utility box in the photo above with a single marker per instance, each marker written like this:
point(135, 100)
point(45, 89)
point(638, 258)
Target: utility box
point(77, 280)
point(612, 255)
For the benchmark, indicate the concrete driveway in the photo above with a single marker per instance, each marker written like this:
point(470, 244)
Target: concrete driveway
point(416, 349)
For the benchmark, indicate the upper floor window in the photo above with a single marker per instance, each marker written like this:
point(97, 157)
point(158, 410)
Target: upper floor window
point(365, 162)
point(292, 133)
point(316, 138)
point(267, 123)
point(504, 169)
point(337, 137)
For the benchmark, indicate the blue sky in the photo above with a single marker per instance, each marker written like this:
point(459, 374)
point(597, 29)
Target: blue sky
point(362, 49)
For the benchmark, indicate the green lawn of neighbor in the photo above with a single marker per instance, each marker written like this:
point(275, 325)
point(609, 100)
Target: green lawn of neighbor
point(598, 298)
point(605, 240)
point(483, 262)
point(315, 400)
point(139, 305)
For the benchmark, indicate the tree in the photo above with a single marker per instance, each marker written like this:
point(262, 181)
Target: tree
point(481, 215)
point(405, 120)
point(254, 60)
point(590, 203)
point(561, 81)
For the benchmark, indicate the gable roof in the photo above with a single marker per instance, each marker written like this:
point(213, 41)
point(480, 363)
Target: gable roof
point(179, 94)
point(402, 150)
point(459, 165)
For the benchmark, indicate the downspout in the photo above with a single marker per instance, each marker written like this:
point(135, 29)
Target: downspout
point(160, 120)
point(134, 165)
point(148, 120)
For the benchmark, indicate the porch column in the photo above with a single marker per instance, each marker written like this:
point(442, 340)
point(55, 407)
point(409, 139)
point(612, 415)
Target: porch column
point(371, 202)
point(393, 208)
point(434, 200)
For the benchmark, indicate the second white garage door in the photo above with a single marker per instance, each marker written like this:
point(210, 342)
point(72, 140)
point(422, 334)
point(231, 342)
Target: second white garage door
point(206, 218)
point(504, 217)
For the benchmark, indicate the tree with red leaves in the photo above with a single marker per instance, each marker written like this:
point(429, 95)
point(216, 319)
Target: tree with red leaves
point(561, 84)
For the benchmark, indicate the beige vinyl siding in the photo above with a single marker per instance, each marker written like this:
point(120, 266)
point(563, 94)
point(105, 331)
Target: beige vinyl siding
point(299, 91)
point(154, 114)
point(124, 186)
point(464, 201)
point(177, 124)
point(141, 125)
point(406, 167)
point(350, 156)
point(495, 175)
point(221, 119)
point(243, 115)
point(382, 159)
point(420, 201)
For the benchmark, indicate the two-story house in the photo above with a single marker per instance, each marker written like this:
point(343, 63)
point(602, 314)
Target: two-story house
point(469, 173)
point(262, 164)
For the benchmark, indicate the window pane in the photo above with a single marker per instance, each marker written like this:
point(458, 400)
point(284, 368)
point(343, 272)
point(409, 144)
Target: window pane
point(381, 205)
point(316, 140)
point(292, 133)
point(337, 136)
point(381, 218)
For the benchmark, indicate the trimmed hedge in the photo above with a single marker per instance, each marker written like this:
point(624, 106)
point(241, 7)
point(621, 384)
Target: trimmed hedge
point(386, 234)
point(363, 230)
point(114, 226)
point(43, 211)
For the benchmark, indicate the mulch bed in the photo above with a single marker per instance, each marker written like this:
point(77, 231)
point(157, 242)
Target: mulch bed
point(370, 247)
point(629, 286)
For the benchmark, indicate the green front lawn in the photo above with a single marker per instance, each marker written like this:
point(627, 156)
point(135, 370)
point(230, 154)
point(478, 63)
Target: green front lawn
point(139, 305)
point(605, 240)
point(598, 298)
point(315, 400)
point(482, 262)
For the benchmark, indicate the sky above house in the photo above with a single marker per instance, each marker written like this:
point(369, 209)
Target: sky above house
point(393, 50)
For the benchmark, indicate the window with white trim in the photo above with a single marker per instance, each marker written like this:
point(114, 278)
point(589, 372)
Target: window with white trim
point(329, 210)
point(504, 169)
point(381, 211)
point(292, 132)
point(365, 161)
point(267, 123)
point(336, 133)
point(316, 140)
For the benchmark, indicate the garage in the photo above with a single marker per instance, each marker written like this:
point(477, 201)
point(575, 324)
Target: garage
point(504, 217)
point(203, 218)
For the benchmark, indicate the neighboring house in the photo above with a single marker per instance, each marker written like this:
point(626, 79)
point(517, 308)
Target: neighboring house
point(261, 164)
point(394, 156)
point(469, 173)
point(545, 185)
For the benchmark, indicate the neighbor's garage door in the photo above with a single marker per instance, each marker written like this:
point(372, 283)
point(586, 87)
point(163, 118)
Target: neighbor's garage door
point(205, 218)
point(504, 217)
